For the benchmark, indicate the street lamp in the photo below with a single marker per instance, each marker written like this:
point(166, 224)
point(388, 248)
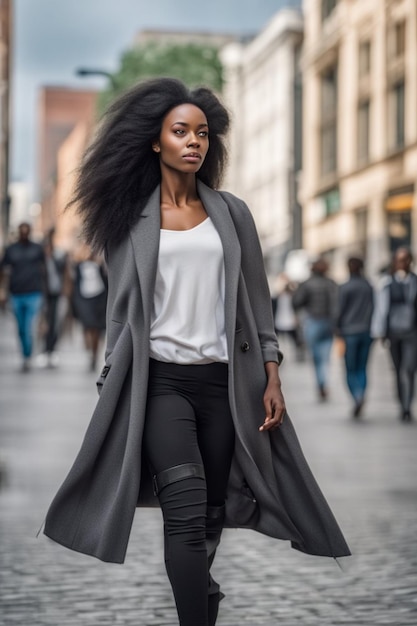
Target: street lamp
point(83, 71)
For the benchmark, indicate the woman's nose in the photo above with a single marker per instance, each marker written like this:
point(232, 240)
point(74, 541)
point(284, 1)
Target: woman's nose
point(193, 141)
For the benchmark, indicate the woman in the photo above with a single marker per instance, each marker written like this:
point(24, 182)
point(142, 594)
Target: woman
point(89, 298)
point(190, 401)
point(286, 321)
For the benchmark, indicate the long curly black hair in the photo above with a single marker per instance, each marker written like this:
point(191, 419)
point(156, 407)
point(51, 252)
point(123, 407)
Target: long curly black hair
point(120, 170)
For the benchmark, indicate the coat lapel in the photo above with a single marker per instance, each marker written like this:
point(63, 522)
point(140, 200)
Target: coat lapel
point(219, 213)
point(145, 241)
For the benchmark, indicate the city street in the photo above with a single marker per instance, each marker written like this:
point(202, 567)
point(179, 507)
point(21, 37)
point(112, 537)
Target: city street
point(367, 469)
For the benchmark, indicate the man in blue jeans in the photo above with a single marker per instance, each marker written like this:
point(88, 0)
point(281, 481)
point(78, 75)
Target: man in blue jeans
point(356, 303)
point(26, 262)
point(317, 296)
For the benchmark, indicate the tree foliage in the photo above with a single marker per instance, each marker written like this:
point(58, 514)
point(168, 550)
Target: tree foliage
point(194, 64)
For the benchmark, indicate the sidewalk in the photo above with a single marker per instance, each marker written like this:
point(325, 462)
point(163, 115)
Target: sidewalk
point(366, 469)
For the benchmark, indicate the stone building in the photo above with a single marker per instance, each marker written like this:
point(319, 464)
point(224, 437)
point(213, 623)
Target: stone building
point(359, 178)
point(263, 92)
point(66, 119)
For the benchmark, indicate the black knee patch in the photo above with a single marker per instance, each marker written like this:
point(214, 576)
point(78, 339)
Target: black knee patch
point(176, 473)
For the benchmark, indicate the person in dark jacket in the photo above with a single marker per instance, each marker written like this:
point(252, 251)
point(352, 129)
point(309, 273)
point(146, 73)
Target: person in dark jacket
point(56, 280)
point(318, 297)
point(26, 262)
point(356, 302)
point(395, 322)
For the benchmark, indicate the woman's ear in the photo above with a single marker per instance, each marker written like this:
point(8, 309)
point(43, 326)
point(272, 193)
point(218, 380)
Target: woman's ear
point(155, 146)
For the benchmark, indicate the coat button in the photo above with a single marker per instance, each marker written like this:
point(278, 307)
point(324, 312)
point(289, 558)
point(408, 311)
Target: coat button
point(244, 346)
point(105, 371)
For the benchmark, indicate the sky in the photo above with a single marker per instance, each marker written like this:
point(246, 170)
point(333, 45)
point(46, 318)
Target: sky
point(54, 37)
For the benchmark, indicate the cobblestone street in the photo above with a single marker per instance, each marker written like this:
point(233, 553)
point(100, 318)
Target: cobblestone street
point(367, 469)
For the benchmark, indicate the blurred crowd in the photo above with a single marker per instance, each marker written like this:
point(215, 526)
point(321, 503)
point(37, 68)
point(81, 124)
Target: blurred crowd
point(318, 314)
point(48, 291)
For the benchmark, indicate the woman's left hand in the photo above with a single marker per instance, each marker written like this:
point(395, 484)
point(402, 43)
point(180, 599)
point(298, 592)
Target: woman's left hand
point(274, 402)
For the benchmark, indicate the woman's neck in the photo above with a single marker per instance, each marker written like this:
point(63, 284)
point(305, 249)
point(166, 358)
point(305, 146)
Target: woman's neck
point(178, 190)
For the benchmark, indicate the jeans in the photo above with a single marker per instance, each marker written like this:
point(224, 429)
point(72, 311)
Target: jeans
point(26, 307)
point(356, 359)
point(188, 420)
point(318, 335)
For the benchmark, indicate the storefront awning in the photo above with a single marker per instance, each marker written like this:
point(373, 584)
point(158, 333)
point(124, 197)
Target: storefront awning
point(400, 202)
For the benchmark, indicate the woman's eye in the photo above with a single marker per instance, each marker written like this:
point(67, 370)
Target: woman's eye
point(179, 131)
point(203, 133)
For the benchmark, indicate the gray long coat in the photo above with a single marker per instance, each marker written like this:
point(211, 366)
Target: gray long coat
point(271, 488)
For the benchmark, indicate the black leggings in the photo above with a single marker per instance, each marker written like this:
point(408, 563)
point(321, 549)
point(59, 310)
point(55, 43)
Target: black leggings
point(188, 421)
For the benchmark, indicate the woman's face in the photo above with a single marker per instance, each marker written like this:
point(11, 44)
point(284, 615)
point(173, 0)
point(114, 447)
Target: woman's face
point(183, 142)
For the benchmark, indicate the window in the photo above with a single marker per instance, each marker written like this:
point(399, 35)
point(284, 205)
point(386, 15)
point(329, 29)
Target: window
point(396, 94)
point(327, 7)
point(397, 114)
point(331, 201)
point(363, 131)
point(399, 39)
point(364, 58)
point(329, 121)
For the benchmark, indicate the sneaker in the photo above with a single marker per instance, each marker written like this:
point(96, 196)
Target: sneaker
point(406, 416)
point(42, 360)
point(25, 366)
point(358, 408)
point(322, 393)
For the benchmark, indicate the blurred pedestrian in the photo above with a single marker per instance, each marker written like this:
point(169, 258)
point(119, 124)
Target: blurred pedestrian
point(56, 282)
point(286, 320)
point(190, 395)
point(356, 302)
point(318, 298)
point(89, 300)
point(395, 322)
point(25, 261)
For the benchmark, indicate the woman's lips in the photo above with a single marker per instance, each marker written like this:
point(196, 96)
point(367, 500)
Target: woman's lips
point(192, 157)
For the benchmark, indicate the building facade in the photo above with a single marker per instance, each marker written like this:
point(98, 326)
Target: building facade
point(359, 179)
point(66, 120)
point(263, 92)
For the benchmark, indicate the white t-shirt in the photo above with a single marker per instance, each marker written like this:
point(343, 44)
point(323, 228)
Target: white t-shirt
point(188, 324)
point(91, 282)
point(285, 318)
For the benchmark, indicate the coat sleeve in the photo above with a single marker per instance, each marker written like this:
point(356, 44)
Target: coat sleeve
point(255, 277)
point(300, 296)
